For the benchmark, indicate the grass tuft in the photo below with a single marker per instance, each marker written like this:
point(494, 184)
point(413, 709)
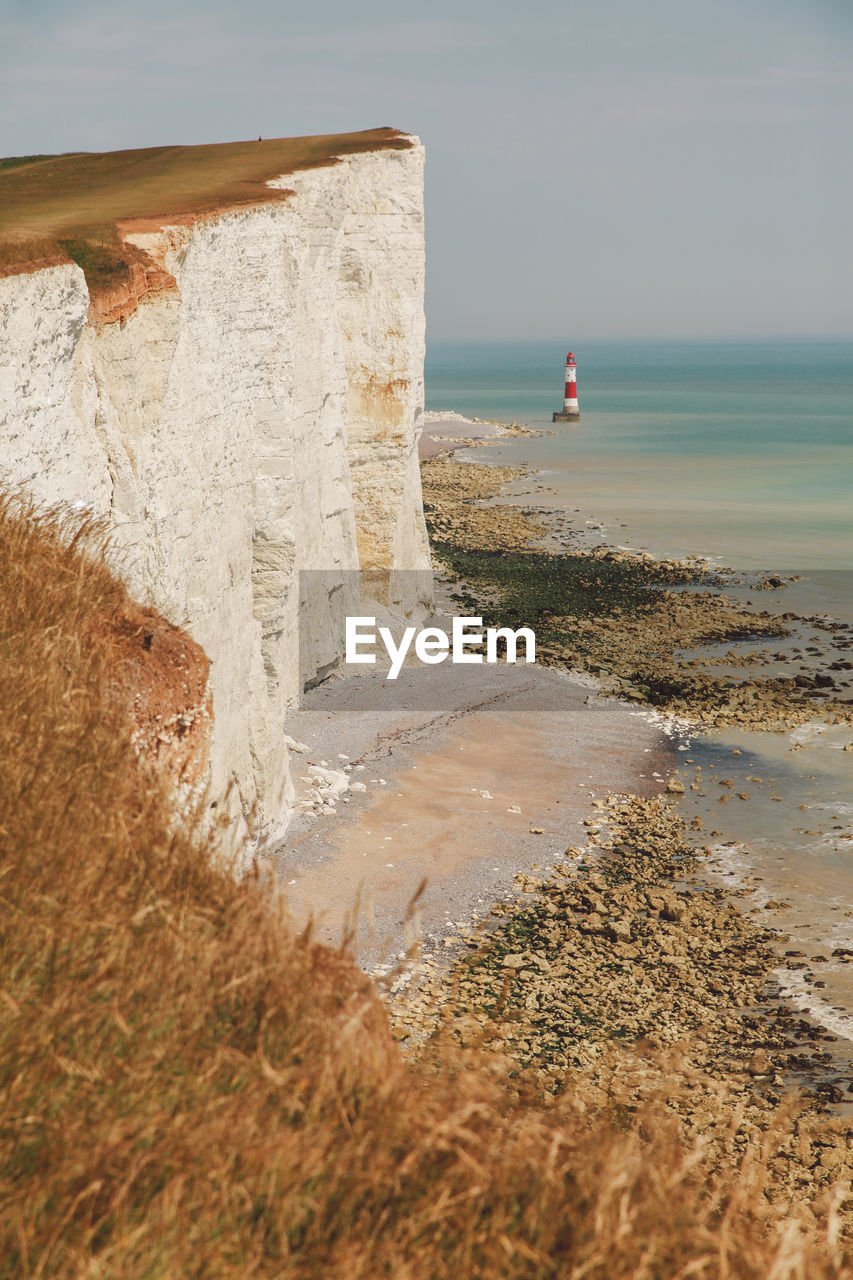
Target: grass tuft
point(103, 265)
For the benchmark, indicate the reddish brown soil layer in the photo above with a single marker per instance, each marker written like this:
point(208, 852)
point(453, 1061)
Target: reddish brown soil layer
point(161, 678)
point(146, 280)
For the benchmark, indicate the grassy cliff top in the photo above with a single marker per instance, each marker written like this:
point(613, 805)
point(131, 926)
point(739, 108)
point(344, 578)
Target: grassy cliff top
point(58, 208)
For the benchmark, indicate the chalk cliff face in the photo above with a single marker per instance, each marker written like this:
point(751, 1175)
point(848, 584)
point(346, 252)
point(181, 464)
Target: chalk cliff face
point(257, 419)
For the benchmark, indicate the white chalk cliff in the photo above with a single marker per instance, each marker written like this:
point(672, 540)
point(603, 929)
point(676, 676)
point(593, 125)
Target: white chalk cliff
point(260, 419)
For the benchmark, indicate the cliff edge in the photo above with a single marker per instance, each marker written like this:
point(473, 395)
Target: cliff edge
point(253, 415)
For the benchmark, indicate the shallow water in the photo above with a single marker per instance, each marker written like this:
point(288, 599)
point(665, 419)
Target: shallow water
point(738, 450)
point(776, 811)
point(742, 452)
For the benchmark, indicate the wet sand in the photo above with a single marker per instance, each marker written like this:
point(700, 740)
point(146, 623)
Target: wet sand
point(448, 755)
point(444, 433)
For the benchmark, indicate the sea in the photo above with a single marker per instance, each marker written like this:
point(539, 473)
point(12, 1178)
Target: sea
point(740, 452)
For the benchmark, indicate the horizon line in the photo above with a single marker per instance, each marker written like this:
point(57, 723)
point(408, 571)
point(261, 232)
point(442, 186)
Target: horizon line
point(674, 338)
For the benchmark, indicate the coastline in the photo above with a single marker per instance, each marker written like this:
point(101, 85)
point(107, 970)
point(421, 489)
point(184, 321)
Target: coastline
point(455, 494)
point(610, 969)
point(768, 717)
point(625, 978)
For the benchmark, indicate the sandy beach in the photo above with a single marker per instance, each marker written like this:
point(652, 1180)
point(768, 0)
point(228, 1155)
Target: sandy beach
point(445, 432)
point(471, 780)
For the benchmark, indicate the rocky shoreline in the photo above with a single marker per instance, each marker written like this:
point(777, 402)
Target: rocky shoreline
point(620, 616)
point(626, 977)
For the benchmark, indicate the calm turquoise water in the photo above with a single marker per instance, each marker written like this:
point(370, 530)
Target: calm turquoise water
point(741, 450)
point(744, 452)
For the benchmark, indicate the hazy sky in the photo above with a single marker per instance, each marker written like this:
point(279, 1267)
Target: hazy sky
point(595, 168)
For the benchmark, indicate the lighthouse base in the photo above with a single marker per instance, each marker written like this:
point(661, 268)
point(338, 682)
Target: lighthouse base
point(572, 416)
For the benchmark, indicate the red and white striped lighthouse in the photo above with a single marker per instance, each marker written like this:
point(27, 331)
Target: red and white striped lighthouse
point(570, 409)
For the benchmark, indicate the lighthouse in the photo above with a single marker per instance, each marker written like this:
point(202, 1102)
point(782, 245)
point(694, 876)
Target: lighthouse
point(570, 411)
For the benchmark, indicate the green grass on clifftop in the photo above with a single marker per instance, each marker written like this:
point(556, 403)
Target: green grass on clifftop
point(46, 200)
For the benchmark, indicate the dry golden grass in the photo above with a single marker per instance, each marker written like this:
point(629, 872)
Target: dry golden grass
point(56, 207)
point(188, 1089)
